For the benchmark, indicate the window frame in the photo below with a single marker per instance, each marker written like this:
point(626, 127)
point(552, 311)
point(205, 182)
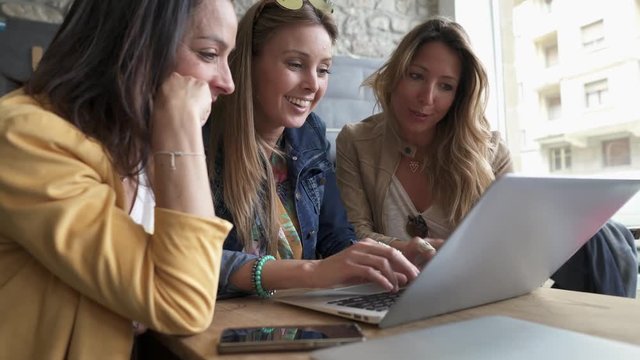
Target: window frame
point(557, 108)
point(593, 42)
point(599, 88)
point(611, 160)
point(562, 153)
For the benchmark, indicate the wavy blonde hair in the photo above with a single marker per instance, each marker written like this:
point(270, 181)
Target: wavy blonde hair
point(457, 158)
point(249, 185)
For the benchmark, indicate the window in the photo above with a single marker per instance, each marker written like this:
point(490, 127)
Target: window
point(524, 36)
point(616, 152)
point(547, 48)
point(560, 158)
point(553, 106)
point(596, 93)
point(593, 35)
point(546, 5)
point(551, 55)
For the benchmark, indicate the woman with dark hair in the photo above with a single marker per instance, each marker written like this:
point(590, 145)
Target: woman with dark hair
point(271, 174)
point(114, 111)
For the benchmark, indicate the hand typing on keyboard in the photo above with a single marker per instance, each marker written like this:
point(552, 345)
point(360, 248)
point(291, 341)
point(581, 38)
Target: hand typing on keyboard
point(365, 261)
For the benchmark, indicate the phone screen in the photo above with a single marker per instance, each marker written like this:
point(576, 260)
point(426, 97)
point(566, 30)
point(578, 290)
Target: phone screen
point(288, 337)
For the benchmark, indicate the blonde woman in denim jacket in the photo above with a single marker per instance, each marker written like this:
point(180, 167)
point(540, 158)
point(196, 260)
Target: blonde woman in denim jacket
point(269, 164)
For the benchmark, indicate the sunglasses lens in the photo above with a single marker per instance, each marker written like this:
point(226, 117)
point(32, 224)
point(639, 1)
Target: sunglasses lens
point(290, 4)
point(416, 226)
point(322, 5)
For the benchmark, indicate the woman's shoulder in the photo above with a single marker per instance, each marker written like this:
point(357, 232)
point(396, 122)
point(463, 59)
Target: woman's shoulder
point(369, 128)
point(496, 138)
point(496, 143)
point(499, 155)
point(26, 124)
point(22, 114)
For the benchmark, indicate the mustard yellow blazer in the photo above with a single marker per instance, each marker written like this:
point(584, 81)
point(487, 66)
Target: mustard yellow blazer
point(75, 270)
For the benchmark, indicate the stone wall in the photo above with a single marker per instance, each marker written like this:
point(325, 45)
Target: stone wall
point(372, 28)
point(368, 28)
point(51, 11)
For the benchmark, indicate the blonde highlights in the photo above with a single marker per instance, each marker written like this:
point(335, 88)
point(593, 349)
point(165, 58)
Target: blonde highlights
point(249, 185)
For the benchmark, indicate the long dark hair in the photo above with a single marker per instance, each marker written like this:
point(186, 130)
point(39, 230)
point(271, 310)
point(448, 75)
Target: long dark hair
point(103, 67)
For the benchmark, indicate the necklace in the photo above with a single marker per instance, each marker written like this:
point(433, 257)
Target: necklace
point(414, 165)
point(410, 153)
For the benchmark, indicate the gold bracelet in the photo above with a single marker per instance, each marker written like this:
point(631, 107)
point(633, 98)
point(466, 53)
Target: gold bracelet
point(173, 155)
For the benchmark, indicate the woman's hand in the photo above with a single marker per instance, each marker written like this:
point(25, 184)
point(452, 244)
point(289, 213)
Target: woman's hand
point(181, 107)
point(418, 250)
point(367, 260)
point(179, 168)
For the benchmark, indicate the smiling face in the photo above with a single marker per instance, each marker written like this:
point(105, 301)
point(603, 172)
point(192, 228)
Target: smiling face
point(424, 95)
point(290, 76)
point(204, 50)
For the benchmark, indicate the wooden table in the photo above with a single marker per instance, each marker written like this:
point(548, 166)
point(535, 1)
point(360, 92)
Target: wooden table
point(600, 315)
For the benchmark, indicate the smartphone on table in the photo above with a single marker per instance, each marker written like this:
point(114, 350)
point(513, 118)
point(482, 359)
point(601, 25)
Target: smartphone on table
point(287, 338)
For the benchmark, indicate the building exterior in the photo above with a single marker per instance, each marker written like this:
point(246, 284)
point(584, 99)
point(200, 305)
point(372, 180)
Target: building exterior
point(577, 76)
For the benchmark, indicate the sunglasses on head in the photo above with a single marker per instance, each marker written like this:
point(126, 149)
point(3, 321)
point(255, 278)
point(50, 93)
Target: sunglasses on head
point(322, 5)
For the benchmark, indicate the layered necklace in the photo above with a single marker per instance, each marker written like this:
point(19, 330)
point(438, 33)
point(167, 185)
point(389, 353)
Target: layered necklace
point(410, 153)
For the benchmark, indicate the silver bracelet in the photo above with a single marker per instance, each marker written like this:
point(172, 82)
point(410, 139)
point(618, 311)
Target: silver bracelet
point(173, 154)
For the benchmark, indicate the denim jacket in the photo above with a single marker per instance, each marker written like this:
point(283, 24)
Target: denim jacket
point(324, 228)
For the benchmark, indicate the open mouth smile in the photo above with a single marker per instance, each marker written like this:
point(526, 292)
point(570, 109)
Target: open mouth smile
point(298, 101)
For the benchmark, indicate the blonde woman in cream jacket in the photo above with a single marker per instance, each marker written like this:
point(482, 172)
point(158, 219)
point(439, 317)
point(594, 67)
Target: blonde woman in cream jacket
point(408, 175)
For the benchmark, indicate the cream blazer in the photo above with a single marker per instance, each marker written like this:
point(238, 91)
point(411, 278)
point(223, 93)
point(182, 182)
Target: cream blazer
point(75, 269)
point(367, 155)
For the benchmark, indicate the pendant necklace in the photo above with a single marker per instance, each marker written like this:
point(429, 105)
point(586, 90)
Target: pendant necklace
point(414, 165)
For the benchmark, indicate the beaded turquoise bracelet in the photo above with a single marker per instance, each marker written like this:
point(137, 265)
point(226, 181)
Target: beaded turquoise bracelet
point(256, 277)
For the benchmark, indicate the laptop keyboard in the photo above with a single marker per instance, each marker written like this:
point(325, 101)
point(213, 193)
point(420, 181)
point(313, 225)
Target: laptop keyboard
point(374, 302)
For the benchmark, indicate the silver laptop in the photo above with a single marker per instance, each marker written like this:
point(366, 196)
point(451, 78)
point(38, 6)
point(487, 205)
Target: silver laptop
point(491, 337)
point(517, 235)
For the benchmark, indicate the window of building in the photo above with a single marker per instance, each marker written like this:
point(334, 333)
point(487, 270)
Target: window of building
point(551, 55)
point(560, 158)
point(547, 47)
point(593, 35)
point(596, 93)
point(546, 5)
point(553, 106)
point(616, 152)
point(512, 37)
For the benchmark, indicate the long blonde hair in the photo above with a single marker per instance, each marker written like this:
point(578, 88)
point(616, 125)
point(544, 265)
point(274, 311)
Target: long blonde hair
point(249, 185)
point(457, 160)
